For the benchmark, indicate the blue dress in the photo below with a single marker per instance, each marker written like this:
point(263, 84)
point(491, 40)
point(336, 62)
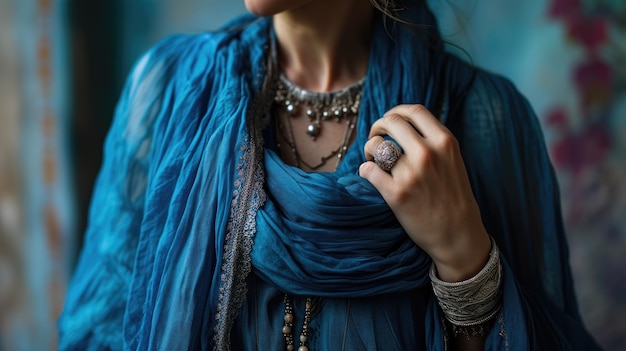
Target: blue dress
point(392, 321)
point(197, 228)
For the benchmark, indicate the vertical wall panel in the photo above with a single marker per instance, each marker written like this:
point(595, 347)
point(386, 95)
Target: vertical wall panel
point(41, 246)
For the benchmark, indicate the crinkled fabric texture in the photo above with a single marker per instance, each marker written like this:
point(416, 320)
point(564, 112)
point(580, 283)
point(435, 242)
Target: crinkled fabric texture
point(149, 274)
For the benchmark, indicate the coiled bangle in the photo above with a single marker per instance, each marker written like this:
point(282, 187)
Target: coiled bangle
point(471, 304)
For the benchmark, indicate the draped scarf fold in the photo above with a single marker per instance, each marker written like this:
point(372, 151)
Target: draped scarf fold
point(329, 235)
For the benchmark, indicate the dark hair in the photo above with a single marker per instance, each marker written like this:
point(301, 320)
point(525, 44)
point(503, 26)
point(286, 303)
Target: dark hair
point(399, 12)
point(385, 6)
point(393, 10)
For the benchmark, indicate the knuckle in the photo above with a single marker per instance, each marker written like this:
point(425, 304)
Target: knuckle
point(369, 149)
point(400, 195)
point(418, 109)
point(448, 142)
point(371, 145)
point(425, 158)
point(405, 193)
point(391, 118)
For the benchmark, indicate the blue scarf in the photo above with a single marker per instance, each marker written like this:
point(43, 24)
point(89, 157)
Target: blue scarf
point(189, 201)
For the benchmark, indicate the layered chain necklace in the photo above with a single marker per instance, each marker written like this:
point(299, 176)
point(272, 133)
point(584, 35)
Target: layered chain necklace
point(341, 105)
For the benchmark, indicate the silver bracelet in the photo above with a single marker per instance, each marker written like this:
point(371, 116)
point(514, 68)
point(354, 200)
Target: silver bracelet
point(473, 301)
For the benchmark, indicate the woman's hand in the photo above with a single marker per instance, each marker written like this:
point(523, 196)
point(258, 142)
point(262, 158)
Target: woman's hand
point(429, 191)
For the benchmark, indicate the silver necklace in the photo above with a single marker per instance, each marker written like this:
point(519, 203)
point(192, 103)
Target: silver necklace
point(286, 132)
point(338, 105)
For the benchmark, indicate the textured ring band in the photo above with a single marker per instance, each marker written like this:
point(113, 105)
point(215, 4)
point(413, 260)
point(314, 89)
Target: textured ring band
point(386, 155)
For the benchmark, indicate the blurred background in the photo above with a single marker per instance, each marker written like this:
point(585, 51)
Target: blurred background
point(63, 63)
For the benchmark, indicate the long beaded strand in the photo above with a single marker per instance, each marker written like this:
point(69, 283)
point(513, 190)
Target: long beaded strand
point(288, 327)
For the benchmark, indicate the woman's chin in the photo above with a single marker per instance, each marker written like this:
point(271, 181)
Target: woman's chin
point(266, 8)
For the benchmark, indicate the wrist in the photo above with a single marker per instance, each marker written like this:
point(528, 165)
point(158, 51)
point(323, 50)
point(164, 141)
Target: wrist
point(464, 257)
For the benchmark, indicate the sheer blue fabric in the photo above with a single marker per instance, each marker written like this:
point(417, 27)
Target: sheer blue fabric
point(151, 273)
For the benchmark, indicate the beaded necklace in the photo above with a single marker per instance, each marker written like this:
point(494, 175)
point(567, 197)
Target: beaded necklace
point(287, 328)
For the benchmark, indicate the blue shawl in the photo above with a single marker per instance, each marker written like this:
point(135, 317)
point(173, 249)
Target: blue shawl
point(189, 201)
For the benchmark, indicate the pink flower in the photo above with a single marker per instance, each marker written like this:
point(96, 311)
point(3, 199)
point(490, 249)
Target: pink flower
point(575, 150)
point(589, 31)
point(557, 118)
point(594, 81)
point(564, 8)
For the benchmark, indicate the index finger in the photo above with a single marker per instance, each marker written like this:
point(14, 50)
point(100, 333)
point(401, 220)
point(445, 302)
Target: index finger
point(421, 119)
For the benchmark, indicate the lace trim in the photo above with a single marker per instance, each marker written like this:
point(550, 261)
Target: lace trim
point(248, 197)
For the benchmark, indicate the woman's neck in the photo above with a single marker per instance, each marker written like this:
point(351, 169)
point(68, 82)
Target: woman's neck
point(324, 44)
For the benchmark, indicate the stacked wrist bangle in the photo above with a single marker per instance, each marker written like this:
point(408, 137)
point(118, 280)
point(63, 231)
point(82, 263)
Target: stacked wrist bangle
point(471, 305)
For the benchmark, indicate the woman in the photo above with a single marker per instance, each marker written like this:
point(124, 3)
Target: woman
point(239, 206)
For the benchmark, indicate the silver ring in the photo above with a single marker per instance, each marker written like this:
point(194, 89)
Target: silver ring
point(386, 155)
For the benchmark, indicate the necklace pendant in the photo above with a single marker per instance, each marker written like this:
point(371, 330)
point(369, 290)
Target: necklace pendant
point(337, 114)
point(313, 130)
point(290, 108)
